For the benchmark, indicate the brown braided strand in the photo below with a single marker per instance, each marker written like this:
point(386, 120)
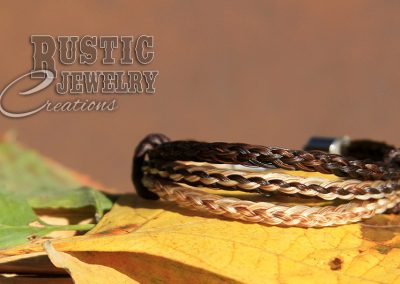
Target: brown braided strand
point(267, 157)
point(207, 176)
point(181, 171)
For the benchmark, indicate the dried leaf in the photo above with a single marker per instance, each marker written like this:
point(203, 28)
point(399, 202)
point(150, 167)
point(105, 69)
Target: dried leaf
point(152, 241)
point(84, 273)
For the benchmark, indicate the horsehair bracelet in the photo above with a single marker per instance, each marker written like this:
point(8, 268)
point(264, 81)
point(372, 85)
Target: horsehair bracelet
point(365, 179)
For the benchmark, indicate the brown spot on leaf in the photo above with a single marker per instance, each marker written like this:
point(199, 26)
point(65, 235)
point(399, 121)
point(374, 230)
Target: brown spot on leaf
point(118, 230)
point(383, 249)
point(336, 263)
point(32, 237)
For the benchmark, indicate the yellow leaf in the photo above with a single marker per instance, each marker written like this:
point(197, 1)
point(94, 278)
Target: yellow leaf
point(156, 241)
point(84, 273)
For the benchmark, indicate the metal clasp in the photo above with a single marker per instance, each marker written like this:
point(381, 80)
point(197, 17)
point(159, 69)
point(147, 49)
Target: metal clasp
point(333, 145)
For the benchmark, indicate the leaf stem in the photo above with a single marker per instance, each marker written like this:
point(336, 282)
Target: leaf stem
point(75, 227)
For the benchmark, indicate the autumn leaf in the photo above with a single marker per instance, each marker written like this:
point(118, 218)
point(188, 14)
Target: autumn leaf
point(83, 273)
point(155, 241)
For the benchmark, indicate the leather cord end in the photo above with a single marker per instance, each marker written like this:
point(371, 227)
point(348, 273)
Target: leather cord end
point(147, 144)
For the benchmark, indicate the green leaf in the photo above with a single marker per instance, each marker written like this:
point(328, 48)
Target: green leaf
point(10, 205)
point(27, 175)
point(17, 222)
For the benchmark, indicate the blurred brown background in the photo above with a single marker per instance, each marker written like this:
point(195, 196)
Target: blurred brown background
point(265, 72)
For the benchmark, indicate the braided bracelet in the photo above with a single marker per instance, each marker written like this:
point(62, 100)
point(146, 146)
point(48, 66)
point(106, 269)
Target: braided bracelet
point(358, 184)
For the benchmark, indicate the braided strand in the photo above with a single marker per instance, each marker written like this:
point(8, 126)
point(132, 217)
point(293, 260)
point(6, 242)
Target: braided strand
point(179, 171)
point(267, 157)
point(269, 213)
point(271, 182)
